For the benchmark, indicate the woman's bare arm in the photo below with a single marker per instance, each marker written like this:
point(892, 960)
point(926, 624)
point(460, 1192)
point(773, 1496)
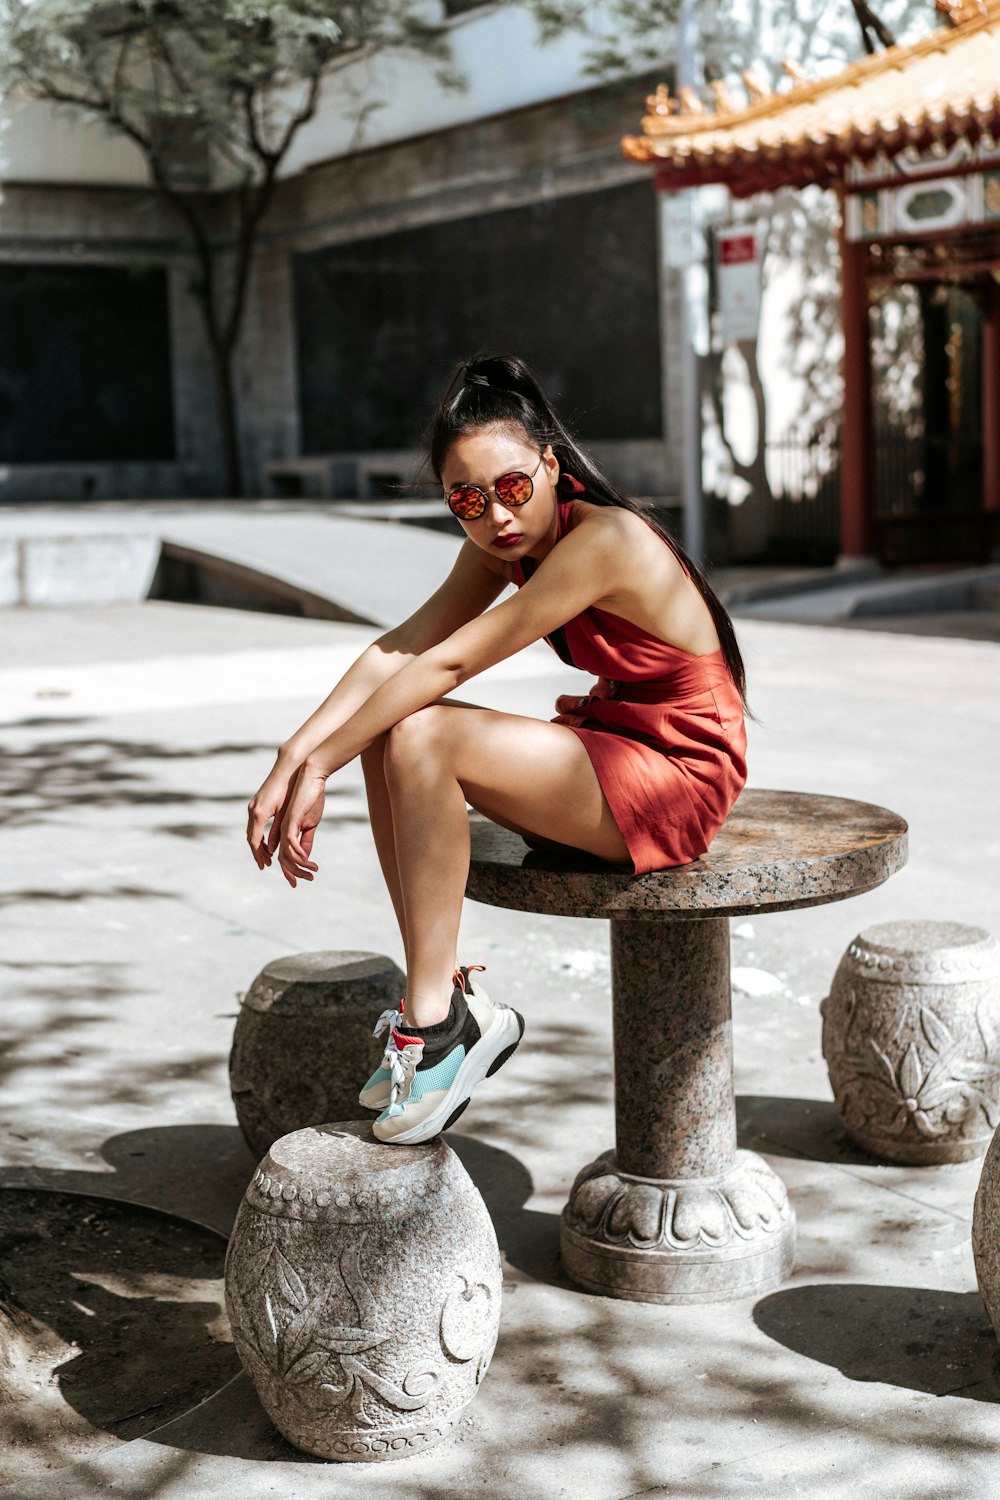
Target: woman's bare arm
point(470, 588)
point(575, 574)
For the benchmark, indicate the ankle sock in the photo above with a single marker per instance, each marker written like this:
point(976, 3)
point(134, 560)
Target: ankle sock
point(435, 1033)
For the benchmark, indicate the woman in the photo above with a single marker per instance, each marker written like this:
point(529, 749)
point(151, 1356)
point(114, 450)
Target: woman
point(641, 771)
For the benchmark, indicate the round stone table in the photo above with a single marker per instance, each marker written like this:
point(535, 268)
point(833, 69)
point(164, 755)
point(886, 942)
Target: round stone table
point(675, 1213)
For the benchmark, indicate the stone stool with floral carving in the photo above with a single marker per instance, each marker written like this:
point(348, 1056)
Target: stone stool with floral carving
point(363, 1290)
point(986, 1238)
point(675, 1213)
point(284, 1071)
point(911, 1037)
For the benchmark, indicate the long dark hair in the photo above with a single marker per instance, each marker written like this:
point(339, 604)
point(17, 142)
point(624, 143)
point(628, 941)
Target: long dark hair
point(499, 390)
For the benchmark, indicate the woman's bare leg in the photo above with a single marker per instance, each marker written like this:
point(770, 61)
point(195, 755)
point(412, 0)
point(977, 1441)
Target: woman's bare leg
point(380, 813)
point(525, 773)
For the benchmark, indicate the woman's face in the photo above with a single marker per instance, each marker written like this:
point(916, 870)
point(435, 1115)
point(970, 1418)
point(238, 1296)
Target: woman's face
point(480, 458)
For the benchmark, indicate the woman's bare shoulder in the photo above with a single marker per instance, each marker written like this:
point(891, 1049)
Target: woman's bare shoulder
point(626, 533)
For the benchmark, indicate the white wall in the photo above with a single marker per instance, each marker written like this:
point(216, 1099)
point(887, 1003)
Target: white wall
point(42, 144)
point(495, 49)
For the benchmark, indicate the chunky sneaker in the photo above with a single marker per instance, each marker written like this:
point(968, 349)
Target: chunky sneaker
point(437, 1074)
point(376, 1092)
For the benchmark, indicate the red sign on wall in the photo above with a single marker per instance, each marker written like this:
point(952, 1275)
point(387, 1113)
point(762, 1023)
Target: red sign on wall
point(737, 249)
point(737, 280)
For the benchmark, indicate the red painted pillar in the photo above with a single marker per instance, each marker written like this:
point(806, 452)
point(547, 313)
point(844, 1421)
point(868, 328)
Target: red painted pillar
point(856, 429)
point(991, 402)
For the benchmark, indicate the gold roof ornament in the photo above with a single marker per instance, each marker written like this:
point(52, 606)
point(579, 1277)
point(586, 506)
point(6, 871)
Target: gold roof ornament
point(939, 90)
point(723, 97)
point(959, 12)
point(792, 70)
point(689, 100)
point(757, 87)
point(661, 107)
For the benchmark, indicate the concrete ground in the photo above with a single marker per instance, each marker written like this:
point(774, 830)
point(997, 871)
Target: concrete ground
point(133, 915)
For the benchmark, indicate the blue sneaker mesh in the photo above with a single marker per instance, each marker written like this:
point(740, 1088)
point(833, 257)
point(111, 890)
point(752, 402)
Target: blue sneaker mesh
point(441, 1076)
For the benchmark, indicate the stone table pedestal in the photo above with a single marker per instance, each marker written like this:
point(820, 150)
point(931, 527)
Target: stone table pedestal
point(675, 1213)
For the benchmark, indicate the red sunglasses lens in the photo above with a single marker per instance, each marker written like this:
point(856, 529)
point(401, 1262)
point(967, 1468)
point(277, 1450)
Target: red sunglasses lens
point(513, 489)
point(467, 503)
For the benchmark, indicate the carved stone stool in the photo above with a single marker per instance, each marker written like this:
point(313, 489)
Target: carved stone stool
point(911, 1037)
point(363, 1289)
point(675, 1213)
point(303, 1043)
point(986, 1233)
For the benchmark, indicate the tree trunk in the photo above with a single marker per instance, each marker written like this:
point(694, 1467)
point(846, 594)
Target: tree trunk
point(225, 395)
point(758, 468)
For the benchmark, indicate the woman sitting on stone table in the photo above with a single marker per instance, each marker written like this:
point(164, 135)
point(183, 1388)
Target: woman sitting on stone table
point(640, 771)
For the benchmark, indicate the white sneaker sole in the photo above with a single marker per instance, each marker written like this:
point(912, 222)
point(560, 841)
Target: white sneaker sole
point(486, 1057)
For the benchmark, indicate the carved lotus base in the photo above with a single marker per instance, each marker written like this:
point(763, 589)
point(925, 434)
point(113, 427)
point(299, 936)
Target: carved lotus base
point(698, 1240)
point(363, 1291)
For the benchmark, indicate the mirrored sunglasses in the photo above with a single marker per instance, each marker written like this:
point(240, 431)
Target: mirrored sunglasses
point(468, 502)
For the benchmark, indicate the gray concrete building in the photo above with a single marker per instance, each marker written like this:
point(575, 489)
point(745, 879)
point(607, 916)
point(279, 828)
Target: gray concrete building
point(458, 224)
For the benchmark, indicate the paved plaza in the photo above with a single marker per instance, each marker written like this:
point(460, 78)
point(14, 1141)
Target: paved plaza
point(133, 916)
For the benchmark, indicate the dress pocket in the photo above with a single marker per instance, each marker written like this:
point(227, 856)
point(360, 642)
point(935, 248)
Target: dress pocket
point(573, 705)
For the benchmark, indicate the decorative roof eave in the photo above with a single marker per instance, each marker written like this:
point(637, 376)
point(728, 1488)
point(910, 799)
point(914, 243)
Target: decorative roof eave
point(935, 92)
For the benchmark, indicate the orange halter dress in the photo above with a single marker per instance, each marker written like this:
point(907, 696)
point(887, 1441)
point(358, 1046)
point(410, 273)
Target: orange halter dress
point(663, 728)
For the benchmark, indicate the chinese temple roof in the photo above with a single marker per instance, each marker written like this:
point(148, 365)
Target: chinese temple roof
point(930, 94)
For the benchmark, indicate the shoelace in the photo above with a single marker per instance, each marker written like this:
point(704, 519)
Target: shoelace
point(387, 1020)
point(392, 1058)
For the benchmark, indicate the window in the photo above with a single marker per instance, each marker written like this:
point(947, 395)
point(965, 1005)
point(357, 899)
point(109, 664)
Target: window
point(84, 364)
point(569, 283)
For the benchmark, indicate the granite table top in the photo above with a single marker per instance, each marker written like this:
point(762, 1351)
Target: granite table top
point(776, 851)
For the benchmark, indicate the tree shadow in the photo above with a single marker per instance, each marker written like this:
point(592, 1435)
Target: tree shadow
point(53, 775)
point(84, 893)
point(195, 831)
point(50, 1023)
point(915, 1337)
point(613, 1379)
point(113, 1323)
point(49, 721)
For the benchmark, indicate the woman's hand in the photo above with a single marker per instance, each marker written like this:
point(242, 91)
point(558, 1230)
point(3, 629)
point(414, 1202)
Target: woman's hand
point(268, 805)
point(299, 821)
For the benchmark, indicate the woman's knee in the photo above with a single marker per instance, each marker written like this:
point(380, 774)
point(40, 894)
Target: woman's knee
point(420, 734)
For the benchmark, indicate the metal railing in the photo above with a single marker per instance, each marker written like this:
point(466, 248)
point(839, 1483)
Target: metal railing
point(796, 515)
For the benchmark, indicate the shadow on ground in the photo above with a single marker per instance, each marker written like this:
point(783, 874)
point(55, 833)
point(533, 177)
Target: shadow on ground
point(802, 1128)
point(913, 1337)
point(112, 1323)
point(581, 1372)
point(52, 1022)
point(52, 775)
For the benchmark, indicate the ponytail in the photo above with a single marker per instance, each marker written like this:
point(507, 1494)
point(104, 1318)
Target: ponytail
point(500, 390)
